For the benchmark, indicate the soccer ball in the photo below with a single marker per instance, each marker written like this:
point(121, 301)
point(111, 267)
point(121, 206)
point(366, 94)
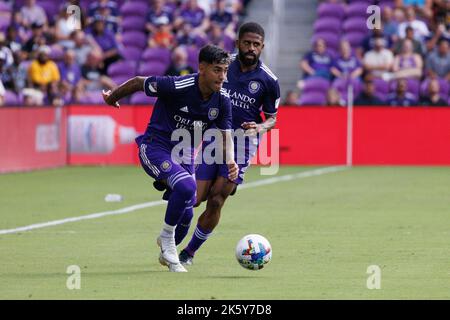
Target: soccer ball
point(253, 251)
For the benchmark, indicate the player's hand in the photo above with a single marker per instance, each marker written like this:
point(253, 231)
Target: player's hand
point(233, 170)
point(106, 97)
point(251, 128)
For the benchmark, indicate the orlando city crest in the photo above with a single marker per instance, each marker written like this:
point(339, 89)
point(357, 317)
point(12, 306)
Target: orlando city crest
point(213, 113)
point(253, 87)
point(166, 166)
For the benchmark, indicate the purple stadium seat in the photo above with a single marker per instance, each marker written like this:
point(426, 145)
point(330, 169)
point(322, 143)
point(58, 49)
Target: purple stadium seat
point(4, 22)
point(313, 98)
point(316, 84)
point(56, 53)
point(122, 68)
point(130, 23)
point(331, 10)
point(131, 53)
point(134, 8)
point(357, 9)
point(157, 54)
point(327, 24)
point(342, 84)
point(381, 86)
point(193, 57)
point(135, 39)
point(355, 24)
point(92, 97)
point(152, 69)
point(331, 39)
point(355, 38)
point(50, 8)
point(11, 99)
point(142, 98)
point(443, 87)
point(121, 78)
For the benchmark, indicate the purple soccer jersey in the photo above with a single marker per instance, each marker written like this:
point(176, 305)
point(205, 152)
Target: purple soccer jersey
point(179, 106)
point(250, 93)
point(347, 66)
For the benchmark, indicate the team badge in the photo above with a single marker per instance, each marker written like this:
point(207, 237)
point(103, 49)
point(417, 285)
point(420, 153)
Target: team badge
point(166, 166)
point(253, 87)
point(213, 113)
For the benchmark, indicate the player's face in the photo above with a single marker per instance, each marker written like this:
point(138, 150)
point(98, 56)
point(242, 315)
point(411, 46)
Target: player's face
point(215, 74)
point(250, 46)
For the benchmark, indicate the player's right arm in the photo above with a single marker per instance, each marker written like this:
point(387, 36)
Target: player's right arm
point(127, 88)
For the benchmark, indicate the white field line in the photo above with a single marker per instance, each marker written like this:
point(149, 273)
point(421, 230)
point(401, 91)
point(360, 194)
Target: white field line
point(262, 182)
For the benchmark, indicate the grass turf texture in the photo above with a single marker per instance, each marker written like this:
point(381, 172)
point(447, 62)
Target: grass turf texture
point(325, 231)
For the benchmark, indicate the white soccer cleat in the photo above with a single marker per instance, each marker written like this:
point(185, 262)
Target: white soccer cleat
point(169, 256)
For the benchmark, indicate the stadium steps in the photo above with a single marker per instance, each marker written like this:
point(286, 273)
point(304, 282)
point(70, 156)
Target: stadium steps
point(295, 31)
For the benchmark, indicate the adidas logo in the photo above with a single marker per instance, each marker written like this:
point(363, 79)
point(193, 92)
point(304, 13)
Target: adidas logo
point(185, 109)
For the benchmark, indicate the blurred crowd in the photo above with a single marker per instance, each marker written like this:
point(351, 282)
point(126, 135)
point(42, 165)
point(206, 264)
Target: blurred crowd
point(52, 53)
point(404, 61)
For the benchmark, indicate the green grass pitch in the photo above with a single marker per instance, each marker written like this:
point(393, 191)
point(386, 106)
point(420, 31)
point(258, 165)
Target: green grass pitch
point(325, 232)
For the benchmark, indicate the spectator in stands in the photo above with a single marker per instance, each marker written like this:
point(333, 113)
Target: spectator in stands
point(185, 36)
point(440, 33)
point(13, 40)
point(92, 77)
point(44, 75)
point(17, 75)
point(37, 39)
point(225, 19)
point(33, 13)
point(346, 65)
point(367, 96)
point(334, 98)
point(106, 12)
point(70, 73)
point(292, 98)
point(192, 14)
point(2, 88)
point(64, 27)
point(389, 24)
point(379, 61)
point(401, 98)
point(105, 39)
point(97, 6)
point(433, 97)
point(317, 63)
point(9, 59)
point(219, 38)
point(368, 42)
point(438, 61)
point(179, 65)
point(424, 7)
point(82, 45)
point(417, 45)
point(163, 37)
point(408, 64)
point(420, 28)
point(159, 14)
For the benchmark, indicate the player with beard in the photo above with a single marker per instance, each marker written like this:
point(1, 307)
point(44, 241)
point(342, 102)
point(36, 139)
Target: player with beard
point(252, 89)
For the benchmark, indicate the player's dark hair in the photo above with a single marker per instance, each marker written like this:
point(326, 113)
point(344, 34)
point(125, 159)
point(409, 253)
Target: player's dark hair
point(213, 54)
point(251, 27)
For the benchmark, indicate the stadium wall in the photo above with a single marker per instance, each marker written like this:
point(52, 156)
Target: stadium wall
point(35, 138)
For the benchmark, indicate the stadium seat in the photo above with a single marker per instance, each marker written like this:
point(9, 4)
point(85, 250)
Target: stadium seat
point(357, 9)
point(443, 87)
point(157, 54)
point(355, 24)
point(135, 39)
point(316, 84)
point(130, 23)
point(121, 68)
point(341, 85)
point(413, 86)
point(313, 98)
point(11, 99)
point(92, 97)
point(330, 39)
point(336, 10)
point(142, 98)
point(134, 9)
point(193, 57)
point(131, 53)
point(327, 24)
point(154, 68)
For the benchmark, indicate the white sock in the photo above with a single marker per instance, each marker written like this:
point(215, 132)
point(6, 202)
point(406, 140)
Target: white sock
point(168, 231)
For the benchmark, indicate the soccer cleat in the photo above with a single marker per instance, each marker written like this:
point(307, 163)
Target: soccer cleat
point(185, 258)
point(177, 268)
point(169, 253)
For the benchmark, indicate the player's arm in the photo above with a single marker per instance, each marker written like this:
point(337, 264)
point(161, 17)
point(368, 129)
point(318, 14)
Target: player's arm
point(228, 151)
point(253, 128)
point(127, 88)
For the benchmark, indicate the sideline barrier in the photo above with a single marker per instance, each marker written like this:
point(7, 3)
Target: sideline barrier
point(35, 138)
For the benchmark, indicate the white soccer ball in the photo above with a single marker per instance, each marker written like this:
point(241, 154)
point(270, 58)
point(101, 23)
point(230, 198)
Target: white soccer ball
point(253, 252)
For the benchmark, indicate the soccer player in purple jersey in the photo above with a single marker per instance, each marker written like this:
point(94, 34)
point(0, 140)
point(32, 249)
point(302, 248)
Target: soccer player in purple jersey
point(189, 103)
point(253, 89)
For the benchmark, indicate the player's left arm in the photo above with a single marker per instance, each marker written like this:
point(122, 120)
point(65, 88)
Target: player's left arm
point(270, 108)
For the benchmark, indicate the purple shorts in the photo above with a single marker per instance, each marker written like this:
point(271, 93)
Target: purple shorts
point(156, 160)
point(242, 155)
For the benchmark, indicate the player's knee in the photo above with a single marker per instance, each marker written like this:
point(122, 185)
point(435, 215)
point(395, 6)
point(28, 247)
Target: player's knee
point(215, 202)
point(186, 188)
